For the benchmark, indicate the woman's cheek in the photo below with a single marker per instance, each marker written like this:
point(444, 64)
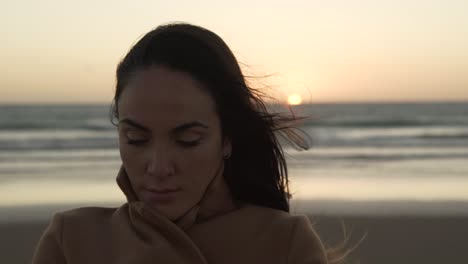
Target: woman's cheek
point(126, 154)
point(200, 165)
point(132, 159)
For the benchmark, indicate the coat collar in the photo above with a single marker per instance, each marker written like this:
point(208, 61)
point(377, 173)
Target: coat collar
point(217, 200)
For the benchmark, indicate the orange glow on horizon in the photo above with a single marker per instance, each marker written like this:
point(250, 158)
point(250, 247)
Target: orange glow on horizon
point(294, 99)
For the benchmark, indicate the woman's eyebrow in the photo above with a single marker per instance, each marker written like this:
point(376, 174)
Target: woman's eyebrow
point(133, 123)
point(188, 125)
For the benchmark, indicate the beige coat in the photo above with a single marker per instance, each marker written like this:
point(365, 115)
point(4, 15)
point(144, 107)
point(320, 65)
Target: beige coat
point(136, 234)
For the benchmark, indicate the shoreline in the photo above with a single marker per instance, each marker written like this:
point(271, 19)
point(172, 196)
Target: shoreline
point(323, 208)
point(412, 232)
point(387, 239)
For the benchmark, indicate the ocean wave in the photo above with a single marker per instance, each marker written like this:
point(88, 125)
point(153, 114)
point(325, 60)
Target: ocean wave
point(52, 134)
point(89, 127)
point(446, 136)
point(65, 155)
point(56, 139)
point(419, 135)
point(367, 123)
point(380, 157)
point(44, 166)
point(375, 154)
point(57, 144)
point(32, 126)
point(378, 122)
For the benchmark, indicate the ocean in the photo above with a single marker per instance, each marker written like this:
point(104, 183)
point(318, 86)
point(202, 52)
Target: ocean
point(364, 158)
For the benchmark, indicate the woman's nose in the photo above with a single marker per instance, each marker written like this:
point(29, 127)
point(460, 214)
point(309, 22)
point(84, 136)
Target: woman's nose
point(160, 165)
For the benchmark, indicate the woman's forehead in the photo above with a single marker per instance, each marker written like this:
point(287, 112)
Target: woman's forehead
point(163, 94)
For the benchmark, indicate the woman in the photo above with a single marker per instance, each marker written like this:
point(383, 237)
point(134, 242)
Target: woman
point(202, 170)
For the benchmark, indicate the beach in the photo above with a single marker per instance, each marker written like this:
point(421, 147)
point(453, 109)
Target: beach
point(388, 239)
point(394, 173)
point(402, 240)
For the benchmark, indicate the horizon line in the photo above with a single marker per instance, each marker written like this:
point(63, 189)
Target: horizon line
point(266, 101)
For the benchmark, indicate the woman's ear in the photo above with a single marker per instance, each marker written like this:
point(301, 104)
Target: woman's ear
point(227, 148)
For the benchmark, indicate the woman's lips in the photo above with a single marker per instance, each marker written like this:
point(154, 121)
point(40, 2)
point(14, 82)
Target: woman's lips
point(160, 195)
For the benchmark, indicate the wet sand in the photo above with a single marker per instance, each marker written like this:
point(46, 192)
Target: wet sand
point(390, 239)
point(402, 240)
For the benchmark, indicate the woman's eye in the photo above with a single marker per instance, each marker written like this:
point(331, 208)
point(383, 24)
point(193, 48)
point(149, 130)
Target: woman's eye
point(135, 138)
point(186, 143)
point(135, 142)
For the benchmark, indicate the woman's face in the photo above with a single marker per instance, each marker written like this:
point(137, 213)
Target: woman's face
point(170, 139)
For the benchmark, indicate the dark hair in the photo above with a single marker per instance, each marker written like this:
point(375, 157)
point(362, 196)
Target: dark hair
point(256, 171)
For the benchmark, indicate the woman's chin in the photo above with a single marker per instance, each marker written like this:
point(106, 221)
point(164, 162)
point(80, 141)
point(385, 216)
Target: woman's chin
point(170, 211)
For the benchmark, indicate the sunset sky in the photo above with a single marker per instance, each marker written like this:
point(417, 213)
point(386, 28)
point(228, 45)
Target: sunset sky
point(326, 51)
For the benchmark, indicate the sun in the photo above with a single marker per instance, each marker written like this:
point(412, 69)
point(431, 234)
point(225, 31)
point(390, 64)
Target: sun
point(294, 99)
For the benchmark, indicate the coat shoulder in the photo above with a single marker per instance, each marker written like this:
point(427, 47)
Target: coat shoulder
point(91, 216)
point(266, 235)
point(304, 244)
point(83, 212)
point(274, 216)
